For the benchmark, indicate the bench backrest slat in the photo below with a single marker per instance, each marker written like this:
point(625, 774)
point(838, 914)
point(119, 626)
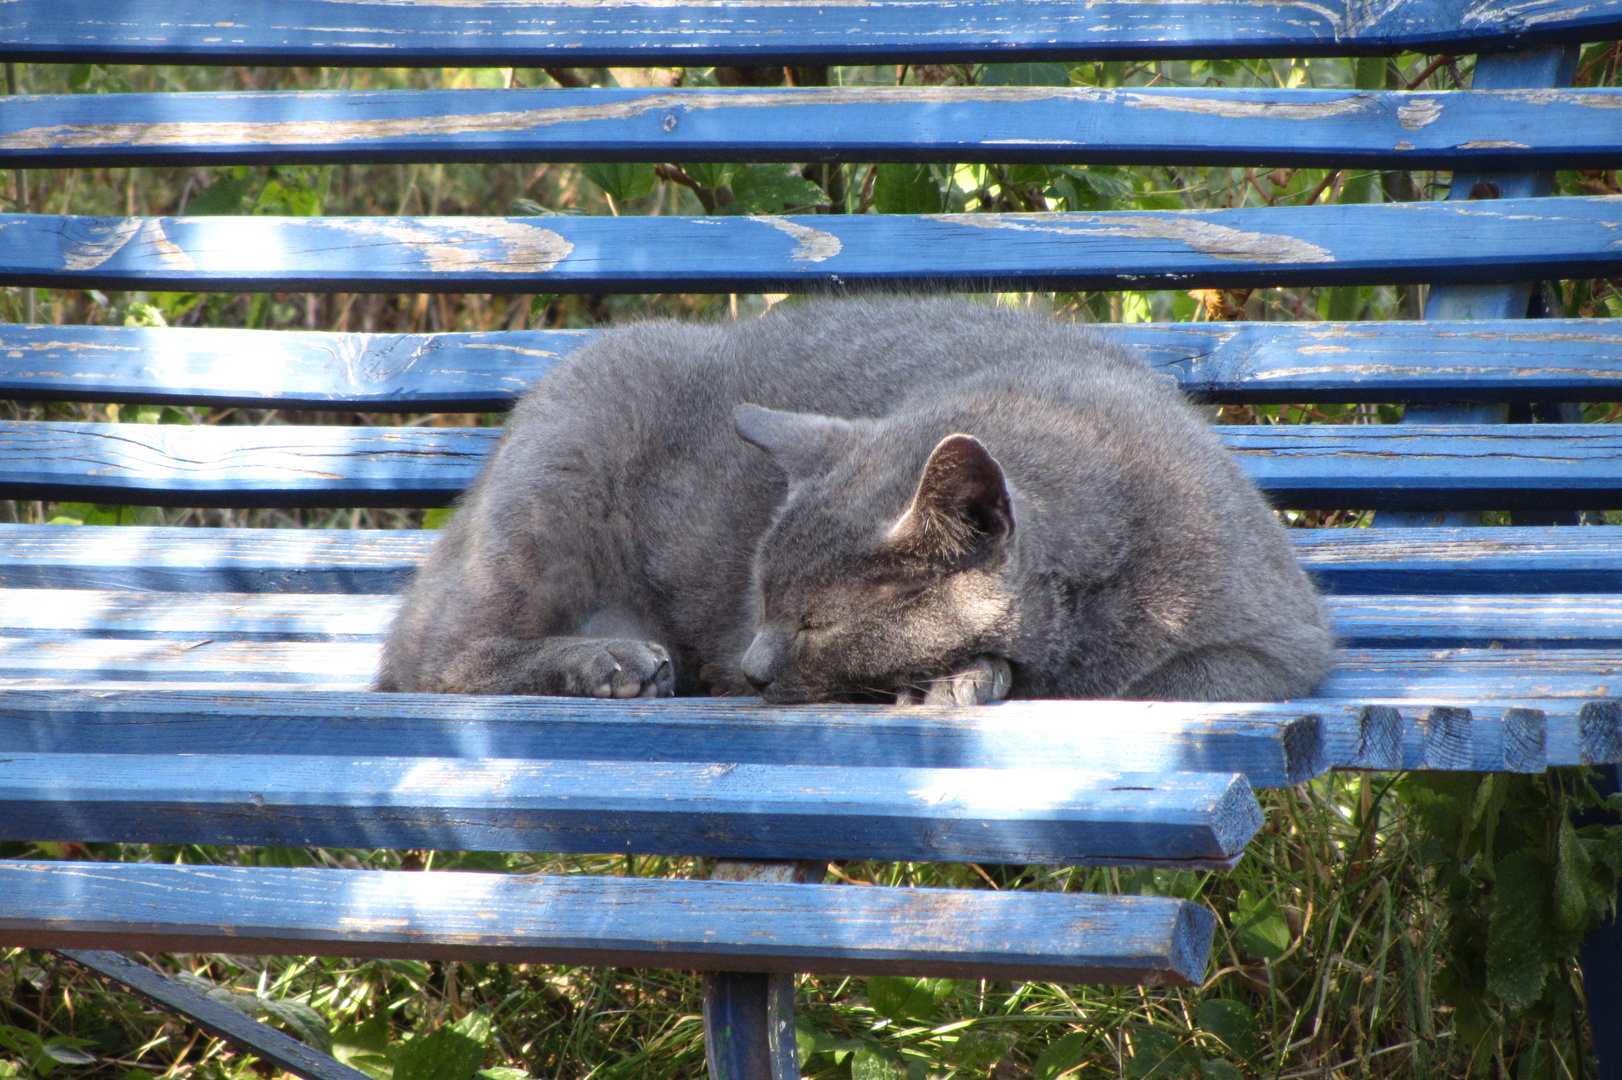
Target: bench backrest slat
point(505, 33)
point(1044, 124)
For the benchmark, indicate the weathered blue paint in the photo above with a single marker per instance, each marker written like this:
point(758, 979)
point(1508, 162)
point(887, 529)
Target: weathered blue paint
point(615, 921)
point(1302, 466)
point(1445, 561)
point(1481, 130)
point(1273, 745)
point(1311, 245)
point(1060, 817)
point(1503, 360)
point(538, 33)
point(1584, 620)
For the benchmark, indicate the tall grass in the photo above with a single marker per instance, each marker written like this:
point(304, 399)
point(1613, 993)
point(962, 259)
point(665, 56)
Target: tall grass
point(1364, 934)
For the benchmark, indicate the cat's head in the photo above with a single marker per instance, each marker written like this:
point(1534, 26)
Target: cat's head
point(875, 574)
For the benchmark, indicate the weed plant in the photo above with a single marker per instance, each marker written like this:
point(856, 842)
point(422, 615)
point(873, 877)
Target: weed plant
point(1380, 926)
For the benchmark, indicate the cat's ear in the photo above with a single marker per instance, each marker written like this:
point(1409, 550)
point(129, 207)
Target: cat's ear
point(802, 444)
point(961, 512)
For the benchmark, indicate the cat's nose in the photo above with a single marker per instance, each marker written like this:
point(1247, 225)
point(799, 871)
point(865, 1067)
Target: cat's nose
point(760, 662)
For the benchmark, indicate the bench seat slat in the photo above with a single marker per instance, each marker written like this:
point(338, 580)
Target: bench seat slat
point(1502, 360)
point(493, 33)
point(147, 559)
point(1444, 674)
point(640, 922)
point(1386, 243)
point(1478, 130)
point(1560, 619)
point(1273, 745)
point(1047, 816)
point(1546, 466)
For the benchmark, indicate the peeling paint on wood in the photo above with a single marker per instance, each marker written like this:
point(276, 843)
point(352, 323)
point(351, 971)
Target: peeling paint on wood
point(537, 33)
point(1249, 247)
point(1484, 129)
point(1047, 816)
point(583, 919)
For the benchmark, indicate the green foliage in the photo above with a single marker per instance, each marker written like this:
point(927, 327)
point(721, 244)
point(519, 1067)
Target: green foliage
point(906, 189)
point(1024, 75)
point(623, 181)
point(901, 998)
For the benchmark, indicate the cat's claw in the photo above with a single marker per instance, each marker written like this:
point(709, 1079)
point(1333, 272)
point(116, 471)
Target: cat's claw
point(621, 669)
point(986, 678)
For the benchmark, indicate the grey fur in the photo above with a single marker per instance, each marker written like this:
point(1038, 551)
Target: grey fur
point(939, 495)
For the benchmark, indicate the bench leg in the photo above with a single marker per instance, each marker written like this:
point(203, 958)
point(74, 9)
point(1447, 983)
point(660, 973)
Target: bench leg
point(749, 1016)
point(749, 1026)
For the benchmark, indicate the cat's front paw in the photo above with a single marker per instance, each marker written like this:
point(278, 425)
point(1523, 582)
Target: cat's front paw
point(617, 669)
point(985, 678)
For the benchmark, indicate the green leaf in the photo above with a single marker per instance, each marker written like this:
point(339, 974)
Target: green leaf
point(623, 180)
point(710, 174)
point(377, 1066)
point(1233, 1022)
point(223, 196)
point(67, 1050)
point(1024, 75)
point(1259, 927)
point(906, 189)
point(1160, 1056)
point(978, 1051)
point(900, 998)
point(1520, 938)
point(308, 1024)
point(770, 189)
point(1063, 1055)
point(502, 1072)
point(875, 1063)
point(1220, 1070)
point(452, 1052)
point(438, 517)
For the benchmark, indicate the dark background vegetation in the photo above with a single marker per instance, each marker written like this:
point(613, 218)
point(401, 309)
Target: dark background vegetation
point(1381, 925)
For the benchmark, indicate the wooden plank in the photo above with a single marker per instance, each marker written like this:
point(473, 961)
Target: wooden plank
point(1313, 245)
point(1273, 745)
point(1462, 560)
point(1564, 620)
point(1304, 466)
point(616, 921)
point(1527, 736)
point(1503, 360)
point(1460, 675)
point(534, 33)
point(1479, 130)
point(1345, 561)
point(214, 1017)
point(158, 559)
point(726, 810)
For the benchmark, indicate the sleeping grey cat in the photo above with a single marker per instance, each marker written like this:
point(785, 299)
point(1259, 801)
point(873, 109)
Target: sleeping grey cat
point(869, 499)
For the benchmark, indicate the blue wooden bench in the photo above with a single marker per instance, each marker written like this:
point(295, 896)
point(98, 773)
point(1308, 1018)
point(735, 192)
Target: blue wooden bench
point(207, 685)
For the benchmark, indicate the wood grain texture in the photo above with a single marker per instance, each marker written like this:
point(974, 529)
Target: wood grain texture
point(640, 922)
point(1514, 675)
point(1559, 619)
point(1461, 560)
point(1547, 466)
point(1384, 243)
point(727, 810)
point(1506, 360)
point(1273, 745)
point(214, 1017)
point(1477, 130)
point(536, 33)
point(1376, 562)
